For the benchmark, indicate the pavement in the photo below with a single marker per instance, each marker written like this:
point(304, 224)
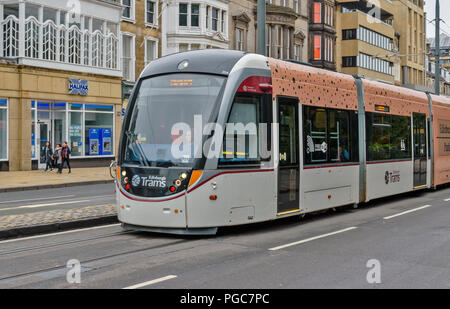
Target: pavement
point(39, 179)
point(36, 202)
point(397, 242)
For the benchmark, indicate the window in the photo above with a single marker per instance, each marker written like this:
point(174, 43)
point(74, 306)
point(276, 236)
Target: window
point(239, 39)
point(183, 14)
point(150, 12)
point(317, 47)
point(98, 130)
point(208, 8)
point(317, 12)
point(195, 11)
point(215, 19)
point(128, 63)
point(128, 9)
point(151, 50)
point(241, 144)
point(3, 129)
point(388, 137)
point(349, 34)
point(328, 137)
point(349, 62)
point(183, 47)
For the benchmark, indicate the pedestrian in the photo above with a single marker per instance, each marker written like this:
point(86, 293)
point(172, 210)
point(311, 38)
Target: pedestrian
point(66, 156)
point(58, 158)
point(48, 156)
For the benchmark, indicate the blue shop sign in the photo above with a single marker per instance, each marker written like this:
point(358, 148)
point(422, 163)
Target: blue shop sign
point(78, 86)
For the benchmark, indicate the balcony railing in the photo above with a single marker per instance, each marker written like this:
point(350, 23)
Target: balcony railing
point(59, 43)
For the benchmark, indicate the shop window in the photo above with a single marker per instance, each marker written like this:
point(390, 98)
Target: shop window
point(388, 137)
point(98, 131)
point(3, 129)
point(75, 133)
point(327, 135)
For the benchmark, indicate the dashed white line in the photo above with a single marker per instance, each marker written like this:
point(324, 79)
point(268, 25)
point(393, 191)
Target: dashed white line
point(38, 199)
point(140, 285)
point(44, 205)
point(312, 238)
point(59, 233)
point(407, 212)
point(447, 200)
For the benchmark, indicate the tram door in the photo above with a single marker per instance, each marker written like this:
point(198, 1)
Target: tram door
point(420, 150)
point(289, 167)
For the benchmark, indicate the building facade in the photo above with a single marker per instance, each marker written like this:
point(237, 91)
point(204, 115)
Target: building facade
point(445, 50)
point(409, 23)
point(322, 34)
point(60, 81)
point(141, 36)
point(194, 24)
point(286, 28)
point(366, 39)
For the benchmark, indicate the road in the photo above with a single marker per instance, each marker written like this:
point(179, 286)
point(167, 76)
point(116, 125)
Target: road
point(15, 203)
point(408, 235)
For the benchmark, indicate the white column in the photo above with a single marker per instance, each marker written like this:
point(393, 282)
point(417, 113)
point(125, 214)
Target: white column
point(58, 22)
point(82, 40)
point(202, 18)
point(41, 32)
point(105, 43)
point(1, 30)
point(21, 29)
point(66, 45)
point(90, 41)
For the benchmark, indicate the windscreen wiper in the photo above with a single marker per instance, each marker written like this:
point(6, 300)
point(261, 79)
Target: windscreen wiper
point(142, 157)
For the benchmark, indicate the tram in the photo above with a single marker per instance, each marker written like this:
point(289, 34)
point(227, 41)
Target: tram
point(322, 140)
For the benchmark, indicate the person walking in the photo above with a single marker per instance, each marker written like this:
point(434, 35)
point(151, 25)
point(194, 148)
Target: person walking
point(48, 156)
point(57, 155)
point(66, 156)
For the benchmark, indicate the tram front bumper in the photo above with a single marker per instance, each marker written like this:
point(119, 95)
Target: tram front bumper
point(169, 213)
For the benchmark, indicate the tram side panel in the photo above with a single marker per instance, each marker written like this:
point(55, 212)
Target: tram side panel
point(441, 130)
point(327, 179)
point(232, 197)
point(389, 137)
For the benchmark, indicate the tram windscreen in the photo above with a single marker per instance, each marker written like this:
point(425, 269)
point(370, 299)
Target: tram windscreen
point(160, 132)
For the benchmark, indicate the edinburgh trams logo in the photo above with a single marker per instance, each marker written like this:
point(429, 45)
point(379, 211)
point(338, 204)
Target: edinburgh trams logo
point(136, 180)
point(392, 177)
point(150, 181)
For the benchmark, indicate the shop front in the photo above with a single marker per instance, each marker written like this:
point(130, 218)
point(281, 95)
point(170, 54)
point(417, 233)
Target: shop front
point(87, 128)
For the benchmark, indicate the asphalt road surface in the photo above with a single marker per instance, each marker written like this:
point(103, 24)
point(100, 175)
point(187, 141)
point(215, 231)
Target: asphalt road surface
point(14, 203)
point(409, 236)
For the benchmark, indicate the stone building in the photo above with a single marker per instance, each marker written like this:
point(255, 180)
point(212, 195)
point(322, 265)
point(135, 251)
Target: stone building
point(286, 28)
point(61, 75)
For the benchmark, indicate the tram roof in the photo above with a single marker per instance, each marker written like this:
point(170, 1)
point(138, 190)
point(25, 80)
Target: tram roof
point(208, 61)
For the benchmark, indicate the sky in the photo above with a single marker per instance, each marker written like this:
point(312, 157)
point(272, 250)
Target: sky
point(445, 16)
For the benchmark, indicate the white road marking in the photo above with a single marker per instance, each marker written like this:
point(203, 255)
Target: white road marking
point(59, 233)
point(406, 212)
point(44, 205)
point(38, 199)
point(312, 238)
point(447, 200)
point(140, 285)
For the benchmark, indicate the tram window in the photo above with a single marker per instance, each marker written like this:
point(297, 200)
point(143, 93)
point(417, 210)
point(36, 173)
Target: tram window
point(388, 137)
point(327, 135)
point(241, 143)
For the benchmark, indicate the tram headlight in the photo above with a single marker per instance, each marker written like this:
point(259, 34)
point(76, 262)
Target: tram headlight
point(183, 176)
point(124, 173)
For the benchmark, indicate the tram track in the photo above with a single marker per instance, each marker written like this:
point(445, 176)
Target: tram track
point(96, 259)
point(61, 243)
